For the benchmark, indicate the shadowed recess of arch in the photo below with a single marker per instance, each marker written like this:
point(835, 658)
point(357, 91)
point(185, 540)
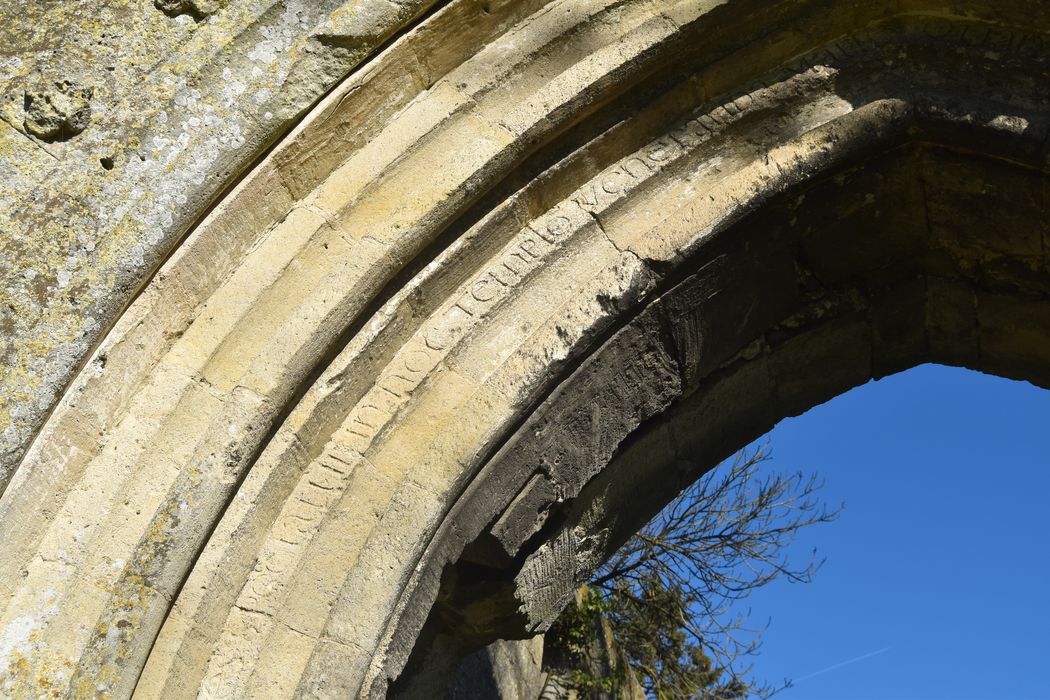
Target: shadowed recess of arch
point(920, 253)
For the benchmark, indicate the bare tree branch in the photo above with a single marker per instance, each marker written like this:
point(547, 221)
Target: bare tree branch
point(720, 539)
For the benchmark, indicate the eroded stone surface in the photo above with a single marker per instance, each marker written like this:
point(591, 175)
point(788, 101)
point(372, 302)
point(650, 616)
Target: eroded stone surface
point(58, 110)
point(137, 121)
point(198, 9)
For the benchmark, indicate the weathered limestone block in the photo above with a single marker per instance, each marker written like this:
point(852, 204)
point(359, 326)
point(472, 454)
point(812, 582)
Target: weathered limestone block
point(122, 123)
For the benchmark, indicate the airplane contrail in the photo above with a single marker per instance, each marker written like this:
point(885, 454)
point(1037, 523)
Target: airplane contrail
point(842, 663)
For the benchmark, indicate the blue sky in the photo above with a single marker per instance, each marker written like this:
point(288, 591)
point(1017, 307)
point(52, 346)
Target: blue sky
point(937, 581)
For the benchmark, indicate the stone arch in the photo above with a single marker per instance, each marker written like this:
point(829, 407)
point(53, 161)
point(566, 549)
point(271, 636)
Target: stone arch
point(460, 332)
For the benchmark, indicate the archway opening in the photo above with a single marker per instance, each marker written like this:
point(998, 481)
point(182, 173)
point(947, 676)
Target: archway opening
point(934, 565)
point(919, 252)
point(681, 245)
point(935, 571)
